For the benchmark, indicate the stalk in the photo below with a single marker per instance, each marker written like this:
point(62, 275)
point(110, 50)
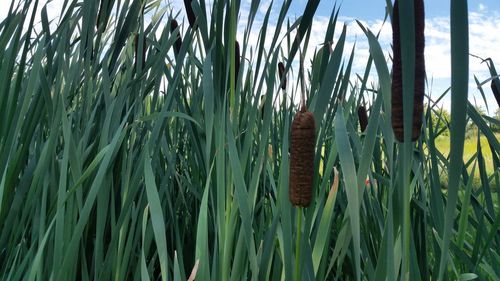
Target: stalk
point(232, 50)
point(297, 244)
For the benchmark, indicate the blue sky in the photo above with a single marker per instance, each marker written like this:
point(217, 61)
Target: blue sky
point(484, 41)
point(484, 33)
point(374, 9)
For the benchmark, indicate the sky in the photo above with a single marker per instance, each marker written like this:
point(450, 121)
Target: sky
point(484, 39)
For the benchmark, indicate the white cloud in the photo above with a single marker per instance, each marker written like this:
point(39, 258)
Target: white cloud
point(482, 42)
point(483, 26)
point(53, 9)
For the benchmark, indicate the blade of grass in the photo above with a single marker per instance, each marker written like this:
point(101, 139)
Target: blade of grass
point(459, 88)
point(351, 185)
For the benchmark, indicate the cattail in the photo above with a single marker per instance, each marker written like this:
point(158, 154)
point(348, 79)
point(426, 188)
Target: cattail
point(178, 42)
point(189, 12)
point(397, 75)
point(494, 89)
point(363, 118)
point(236, 60)
point(281, 72)
point(136, 44)
point(302, 158)
point(262, 105)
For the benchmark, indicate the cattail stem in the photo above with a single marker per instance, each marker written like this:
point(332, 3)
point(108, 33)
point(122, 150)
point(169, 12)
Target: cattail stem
point(302, 82)
point(297, 244)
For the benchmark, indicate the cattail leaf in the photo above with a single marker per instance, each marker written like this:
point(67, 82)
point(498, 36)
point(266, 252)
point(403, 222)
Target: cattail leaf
point(89, 145)
point(285, 239)
point(305, 24)
point(320, 244)
point(480, 88)
point(37, 261)
point(190, 13)
point(320, 100)
point(382, 69)
point(208, 89)
point(157, 220)
point(463, 222)
point(144, 267)
point(459, 89)
point(268, 250)
point(123, 32)
point(350, 184)
point(483, 127)
point(242, 198)
point(495, 86)
point(84, 214)
point(202, 233)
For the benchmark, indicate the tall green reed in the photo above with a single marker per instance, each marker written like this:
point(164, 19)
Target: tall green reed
point(119, 163)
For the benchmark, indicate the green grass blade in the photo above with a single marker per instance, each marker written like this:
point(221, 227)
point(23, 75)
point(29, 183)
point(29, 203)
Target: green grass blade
point(351, 185)
point(157, 219)
point(459, 89)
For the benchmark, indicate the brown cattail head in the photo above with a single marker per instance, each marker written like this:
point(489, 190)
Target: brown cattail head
point(236, 60)
point(190, 13)
point(495, 90)
point(302, 158)
point(281, 73)
point(136, 46)
point(397, 75)
point(178, 42)
point(363, 118)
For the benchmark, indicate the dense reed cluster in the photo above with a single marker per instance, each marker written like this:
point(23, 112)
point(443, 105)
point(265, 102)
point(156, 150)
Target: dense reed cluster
point(130, 150)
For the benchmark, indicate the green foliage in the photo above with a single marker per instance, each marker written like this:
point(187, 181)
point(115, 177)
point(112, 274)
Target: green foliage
point(495, 125)
point(122, 159)
point(441, 119)
point(472, 129)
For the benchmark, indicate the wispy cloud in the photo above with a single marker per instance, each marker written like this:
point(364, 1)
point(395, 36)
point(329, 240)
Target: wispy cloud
point(483, 25)
point(53, 9)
